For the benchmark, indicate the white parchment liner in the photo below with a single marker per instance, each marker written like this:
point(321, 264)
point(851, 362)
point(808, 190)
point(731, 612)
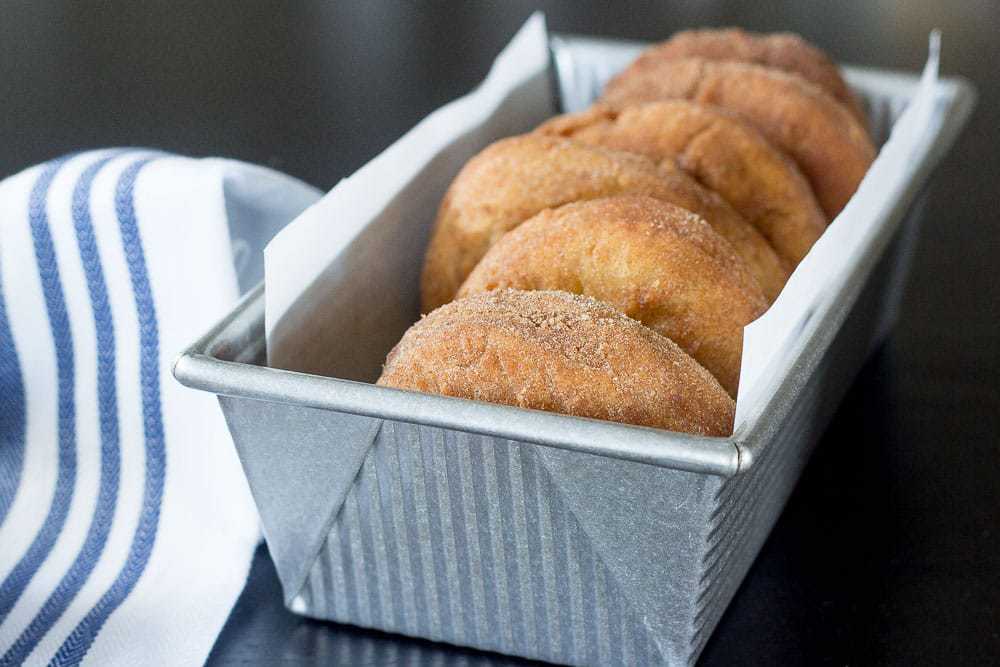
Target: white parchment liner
point(514, 98)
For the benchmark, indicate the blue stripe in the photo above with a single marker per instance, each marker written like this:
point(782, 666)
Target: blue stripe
point(100, 525)
point(75, 647)
point(12, 417)
point(48, 270)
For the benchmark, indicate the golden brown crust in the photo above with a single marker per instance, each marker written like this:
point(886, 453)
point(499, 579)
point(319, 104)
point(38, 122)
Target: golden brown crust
point(782, 50)
point(656, 262)
point(558, 352)
point(830, 146)
point(515, 178)
point(722, 151)
point(766, 267)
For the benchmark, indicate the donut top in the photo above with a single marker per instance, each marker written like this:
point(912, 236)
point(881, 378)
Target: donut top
point(813, 128)
point(554, 351)
point(782, 50)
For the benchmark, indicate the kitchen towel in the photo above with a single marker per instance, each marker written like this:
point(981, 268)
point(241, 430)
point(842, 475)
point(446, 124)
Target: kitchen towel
point(126, 526)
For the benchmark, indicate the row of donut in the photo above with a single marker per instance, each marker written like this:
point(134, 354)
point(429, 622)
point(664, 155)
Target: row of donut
point(682, 200)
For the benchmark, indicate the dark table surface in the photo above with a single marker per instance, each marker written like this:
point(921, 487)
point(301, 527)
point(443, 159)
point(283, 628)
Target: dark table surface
point(887, 552)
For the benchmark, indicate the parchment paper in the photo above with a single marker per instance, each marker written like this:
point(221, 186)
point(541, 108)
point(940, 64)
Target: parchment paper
point(341, 280)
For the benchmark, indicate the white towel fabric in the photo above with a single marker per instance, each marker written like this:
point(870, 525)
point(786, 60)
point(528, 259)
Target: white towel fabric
point(126, 526)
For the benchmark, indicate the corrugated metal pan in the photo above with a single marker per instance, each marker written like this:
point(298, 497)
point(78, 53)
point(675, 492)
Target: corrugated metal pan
point(536, 534)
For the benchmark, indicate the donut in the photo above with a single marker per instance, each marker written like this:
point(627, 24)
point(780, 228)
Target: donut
point(766, 267)
point(723, 152)
point(814, 129)
point(656, 262)
point(515, 178)
point(559, 352)
point(780, 50)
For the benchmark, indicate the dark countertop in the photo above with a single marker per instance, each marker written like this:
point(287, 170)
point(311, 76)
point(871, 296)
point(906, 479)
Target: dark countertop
point(887, 551)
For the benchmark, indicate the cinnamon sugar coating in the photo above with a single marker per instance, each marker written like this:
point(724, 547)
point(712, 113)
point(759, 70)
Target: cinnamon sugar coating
point(719, 149)
point(562, 353)
point(515, 178)
point(781, 50)
point(657, 263)
point(829, 144)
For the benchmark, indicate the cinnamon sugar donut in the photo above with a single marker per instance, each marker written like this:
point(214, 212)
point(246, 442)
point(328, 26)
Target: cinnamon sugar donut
point(558, 352)
point(814, 129)
point(781, 50)
point(722, 151)
point(515, 178)
point(766, 266)
point(656, 262)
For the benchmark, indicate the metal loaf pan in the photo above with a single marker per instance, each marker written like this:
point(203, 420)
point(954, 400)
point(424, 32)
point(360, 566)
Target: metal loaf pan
point(529, 533)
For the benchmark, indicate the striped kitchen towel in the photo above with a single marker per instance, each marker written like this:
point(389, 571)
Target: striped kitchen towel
point(126, 526)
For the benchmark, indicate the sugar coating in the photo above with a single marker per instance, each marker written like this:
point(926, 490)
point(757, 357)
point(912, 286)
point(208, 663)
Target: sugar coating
point(830, 146)
point(515, 178)
point(781, 50)
point(560, 352)
point(723, 152)
point(656, 262)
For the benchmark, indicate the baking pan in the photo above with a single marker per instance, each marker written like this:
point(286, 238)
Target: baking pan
point(529, 533)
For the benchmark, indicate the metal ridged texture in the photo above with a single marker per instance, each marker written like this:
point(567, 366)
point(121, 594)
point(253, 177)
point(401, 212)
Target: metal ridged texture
point(749, 504)
point(511, 547)
point(465, 539)
point(468, 539)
